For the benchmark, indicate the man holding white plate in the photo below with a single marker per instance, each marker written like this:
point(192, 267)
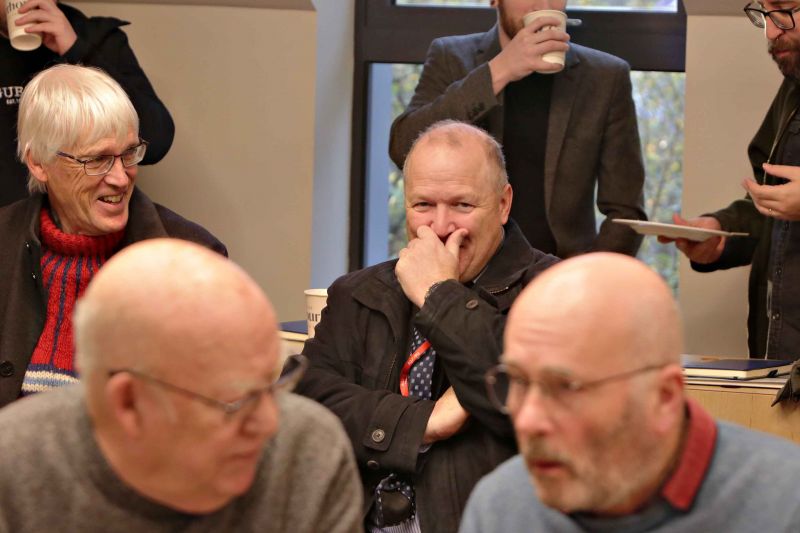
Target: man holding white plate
point(771, 210)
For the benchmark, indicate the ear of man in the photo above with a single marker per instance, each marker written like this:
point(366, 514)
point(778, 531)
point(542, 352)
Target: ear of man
point(124, 406)
point(36, 169)
point(669, 399)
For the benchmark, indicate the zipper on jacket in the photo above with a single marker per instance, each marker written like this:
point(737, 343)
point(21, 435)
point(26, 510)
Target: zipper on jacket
point(389, 372)
point(494, 292)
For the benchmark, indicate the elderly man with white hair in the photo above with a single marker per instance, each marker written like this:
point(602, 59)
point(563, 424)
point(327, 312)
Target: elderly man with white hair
point(79, 137)
point(608, 440)
point(179, 423)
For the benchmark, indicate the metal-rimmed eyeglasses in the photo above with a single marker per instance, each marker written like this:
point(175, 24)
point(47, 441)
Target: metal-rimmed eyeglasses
point(293, 370)
point(100, 165)
point(508, 387)
point(782, 18)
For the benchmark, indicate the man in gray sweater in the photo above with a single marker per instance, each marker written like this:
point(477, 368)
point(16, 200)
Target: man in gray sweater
point(178, 423)
point(608, 440)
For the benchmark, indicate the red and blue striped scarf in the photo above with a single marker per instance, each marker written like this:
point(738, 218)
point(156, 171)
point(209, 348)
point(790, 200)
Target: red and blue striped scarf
point(68, 264)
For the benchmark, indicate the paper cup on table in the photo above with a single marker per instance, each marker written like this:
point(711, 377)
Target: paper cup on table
point(316, 299)
point(557, 58)
point(16, 34)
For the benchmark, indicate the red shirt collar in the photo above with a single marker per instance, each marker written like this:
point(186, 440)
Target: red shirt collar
point(683, 485)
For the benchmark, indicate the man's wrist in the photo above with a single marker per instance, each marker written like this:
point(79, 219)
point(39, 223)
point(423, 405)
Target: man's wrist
point(431, 289)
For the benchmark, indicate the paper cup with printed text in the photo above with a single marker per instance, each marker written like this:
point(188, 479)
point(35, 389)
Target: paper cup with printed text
point(557, 58)
point(316, 299)
point(16, 34)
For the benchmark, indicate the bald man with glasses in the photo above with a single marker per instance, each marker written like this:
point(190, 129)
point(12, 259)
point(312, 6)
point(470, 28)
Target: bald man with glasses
point(180, 422)
point(608, 440)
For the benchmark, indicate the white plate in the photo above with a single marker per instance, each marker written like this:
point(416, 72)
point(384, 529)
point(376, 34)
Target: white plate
point(675, 231)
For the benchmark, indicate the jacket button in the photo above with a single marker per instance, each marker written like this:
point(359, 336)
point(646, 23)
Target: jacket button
point(33, 275)
point(378, 435)
point(372, 464)
point(472, 304)
point(6, 369)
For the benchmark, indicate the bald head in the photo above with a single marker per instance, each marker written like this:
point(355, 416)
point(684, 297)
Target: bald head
point(458, 136)
point(604, 297)
point(164, 304)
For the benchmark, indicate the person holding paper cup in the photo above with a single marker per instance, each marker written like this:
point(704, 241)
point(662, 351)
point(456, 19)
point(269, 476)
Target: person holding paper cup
point(563, 112)
point(35, 34)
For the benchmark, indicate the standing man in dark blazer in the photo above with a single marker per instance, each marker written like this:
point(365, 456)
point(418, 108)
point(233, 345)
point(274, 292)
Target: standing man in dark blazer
point(566, 131)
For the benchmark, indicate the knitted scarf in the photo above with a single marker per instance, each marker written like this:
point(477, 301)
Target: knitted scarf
point(68, 264)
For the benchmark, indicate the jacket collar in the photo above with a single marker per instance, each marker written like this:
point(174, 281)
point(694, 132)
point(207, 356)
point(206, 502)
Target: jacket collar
point(509, 263)
point(143, 219)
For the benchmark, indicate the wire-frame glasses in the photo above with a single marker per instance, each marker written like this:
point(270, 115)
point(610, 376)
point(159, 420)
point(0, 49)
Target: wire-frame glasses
point(293, 370)
point(507, 387)
point(100, 165)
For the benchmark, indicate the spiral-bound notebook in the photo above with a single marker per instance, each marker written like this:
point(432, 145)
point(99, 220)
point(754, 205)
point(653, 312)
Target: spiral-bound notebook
point(737, 368)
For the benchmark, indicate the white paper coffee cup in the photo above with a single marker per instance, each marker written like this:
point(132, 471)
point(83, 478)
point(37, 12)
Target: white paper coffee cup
point(316, 299)
point(557, 58)
point(16, 34)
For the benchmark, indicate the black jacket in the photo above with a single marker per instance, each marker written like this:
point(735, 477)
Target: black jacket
point(361, 345)
point(100, 44)
point(22, 298)
point(743, 216)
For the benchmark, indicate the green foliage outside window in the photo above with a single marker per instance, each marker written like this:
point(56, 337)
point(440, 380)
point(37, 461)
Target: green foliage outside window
point(659, 98)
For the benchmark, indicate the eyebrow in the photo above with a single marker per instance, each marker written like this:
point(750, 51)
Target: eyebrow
point(106, 150)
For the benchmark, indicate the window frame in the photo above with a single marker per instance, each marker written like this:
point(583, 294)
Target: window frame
point(390, 33)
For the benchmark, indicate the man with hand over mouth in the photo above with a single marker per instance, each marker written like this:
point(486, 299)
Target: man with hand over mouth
point(402, 346)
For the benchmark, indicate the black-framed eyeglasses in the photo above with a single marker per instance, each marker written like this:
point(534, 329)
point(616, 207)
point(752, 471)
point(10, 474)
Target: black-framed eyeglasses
point(782, 18)
point(100, 165)
point(293, 370)
point(508, 388)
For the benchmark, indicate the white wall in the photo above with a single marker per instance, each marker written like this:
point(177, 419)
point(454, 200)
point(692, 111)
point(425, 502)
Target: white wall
point(334, 111)
point(240, 85)
point(730, 82)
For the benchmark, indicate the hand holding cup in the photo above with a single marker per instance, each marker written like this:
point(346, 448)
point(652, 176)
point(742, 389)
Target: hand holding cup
point(540, 46)
point(557, 57)
point(20, 39)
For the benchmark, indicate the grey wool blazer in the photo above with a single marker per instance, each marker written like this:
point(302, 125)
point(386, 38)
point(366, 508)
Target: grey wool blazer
point(592, 137)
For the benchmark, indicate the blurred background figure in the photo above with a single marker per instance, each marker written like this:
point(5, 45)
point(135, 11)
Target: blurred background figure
point(179, 423)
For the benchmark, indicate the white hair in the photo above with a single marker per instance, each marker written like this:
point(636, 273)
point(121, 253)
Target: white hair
point(69, 107)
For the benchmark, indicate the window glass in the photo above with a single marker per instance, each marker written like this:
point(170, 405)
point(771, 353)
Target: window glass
point(659, 98)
